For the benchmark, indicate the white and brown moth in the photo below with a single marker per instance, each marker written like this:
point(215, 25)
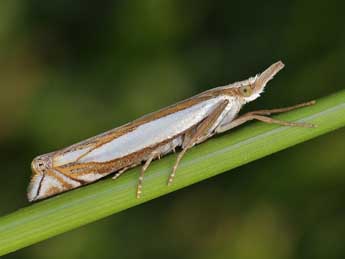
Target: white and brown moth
point(181, 125)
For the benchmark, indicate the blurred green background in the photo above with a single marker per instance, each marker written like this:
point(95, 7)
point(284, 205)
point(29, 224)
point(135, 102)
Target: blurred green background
point(72, 69)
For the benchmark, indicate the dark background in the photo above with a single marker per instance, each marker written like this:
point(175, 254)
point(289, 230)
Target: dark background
point(72, 69)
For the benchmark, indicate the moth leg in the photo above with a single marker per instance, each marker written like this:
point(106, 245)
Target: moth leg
point(117, 175)
point(260, 115)
point(285, 109)
point(200, 133)
point(143, 169)
point(120, 172)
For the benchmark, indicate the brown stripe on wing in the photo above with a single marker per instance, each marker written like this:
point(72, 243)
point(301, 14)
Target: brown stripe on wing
point(65, 184)
point(103, 138)
point(73, 170)
point(108, 136)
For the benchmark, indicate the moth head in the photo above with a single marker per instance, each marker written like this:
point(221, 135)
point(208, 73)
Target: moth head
point(46, 181)
point(39, 167)
point(250, 89)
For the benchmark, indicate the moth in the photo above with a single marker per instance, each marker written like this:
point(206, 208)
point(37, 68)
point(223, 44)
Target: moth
point(180, 126)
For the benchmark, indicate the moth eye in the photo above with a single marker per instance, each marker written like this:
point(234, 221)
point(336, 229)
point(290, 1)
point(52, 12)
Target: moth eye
point(246, 90)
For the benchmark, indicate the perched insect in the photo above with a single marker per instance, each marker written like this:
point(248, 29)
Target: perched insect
point(182, 125)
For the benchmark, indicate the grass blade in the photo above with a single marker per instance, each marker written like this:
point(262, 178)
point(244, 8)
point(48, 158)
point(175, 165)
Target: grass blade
point(70, 210)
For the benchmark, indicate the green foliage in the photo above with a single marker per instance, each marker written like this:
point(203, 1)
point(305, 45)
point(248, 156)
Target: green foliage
point(70, 210)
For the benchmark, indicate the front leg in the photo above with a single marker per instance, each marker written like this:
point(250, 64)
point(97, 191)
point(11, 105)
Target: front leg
point(199, 134)
point(260, 115)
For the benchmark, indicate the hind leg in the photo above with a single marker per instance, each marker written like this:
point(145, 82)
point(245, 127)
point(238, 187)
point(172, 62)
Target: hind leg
point(153, 155)
point(120, 172)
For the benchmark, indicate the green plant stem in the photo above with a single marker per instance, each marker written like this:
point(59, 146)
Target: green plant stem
point(67, 211)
